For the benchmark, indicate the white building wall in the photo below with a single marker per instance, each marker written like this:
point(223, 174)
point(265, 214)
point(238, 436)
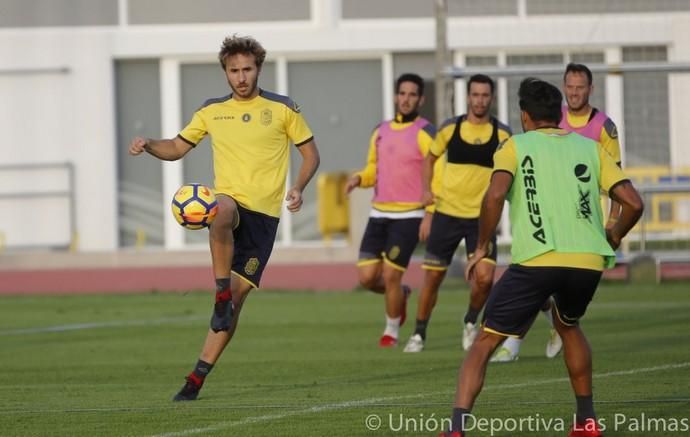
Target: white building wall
point(70, 116)
point(679, 92)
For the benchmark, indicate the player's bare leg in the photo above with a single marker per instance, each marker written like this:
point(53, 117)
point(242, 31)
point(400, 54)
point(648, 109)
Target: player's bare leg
point(480, 287)
point(221, 242)
point(471, 375)
point(371, 277)
point(224, 317)
point(214, 345)
point(216, 342)
point(425, 305)
point(578, 359)
point(429, 293)
point(392, 278)
point(396, 302)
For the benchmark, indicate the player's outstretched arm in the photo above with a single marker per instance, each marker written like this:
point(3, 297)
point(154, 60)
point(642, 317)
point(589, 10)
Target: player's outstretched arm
point(489, 216)
point(310, 163)
point(631, 211)
point(167, 150)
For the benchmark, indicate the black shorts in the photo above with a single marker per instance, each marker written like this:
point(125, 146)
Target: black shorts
point(517, 297)
point(254, 238)
point(446, 234)
point(391, 239)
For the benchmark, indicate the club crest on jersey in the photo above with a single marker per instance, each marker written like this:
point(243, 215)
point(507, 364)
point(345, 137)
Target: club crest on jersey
point(266, 117)
point(251, 266)
point(246, 117)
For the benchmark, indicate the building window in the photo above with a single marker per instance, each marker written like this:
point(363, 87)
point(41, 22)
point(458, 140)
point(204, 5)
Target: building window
point(646, 109)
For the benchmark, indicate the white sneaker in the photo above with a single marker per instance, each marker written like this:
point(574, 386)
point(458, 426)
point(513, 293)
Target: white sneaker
point(554, 345)
point(469, 333)
point(414, 344)
point(503, 355)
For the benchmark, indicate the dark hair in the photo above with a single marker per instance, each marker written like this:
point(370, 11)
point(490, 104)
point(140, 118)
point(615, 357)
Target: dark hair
point(245, 45)
point(578, 68)
point(480, 78)
point(541, 100)
point(410, 77)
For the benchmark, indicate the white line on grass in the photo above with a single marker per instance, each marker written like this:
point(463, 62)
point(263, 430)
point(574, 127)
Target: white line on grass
point(373, 401)
point(96, 325)
point(225, 407)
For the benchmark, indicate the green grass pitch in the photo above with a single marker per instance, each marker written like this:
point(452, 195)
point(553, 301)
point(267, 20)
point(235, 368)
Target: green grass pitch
point(308, 364)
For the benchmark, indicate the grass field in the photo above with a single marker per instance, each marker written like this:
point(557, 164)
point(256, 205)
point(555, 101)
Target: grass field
point(307, 364)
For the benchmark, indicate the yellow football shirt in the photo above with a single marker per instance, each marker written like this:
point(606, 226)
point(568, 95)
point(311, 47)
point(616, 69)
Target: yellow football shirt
point(250, 146)
point(462, 186)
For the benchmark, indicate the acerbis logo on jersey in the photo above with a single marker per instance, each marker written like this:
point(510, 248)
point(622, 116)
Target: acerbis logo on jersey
point(530, 181)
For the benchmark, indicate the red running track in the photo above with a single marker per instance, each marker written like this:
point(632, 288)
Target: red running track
point(322, 277)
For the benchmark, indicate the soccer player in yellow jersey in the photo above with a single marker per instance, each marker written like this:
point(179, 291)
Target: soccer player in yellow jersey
point(394, 168)
point(551, 178)
point(468, 142)
point(580, 117)
point(250, 131)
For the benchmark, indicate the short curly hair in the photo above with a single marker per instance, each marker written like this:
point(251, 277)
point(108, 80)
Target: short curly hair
point(541, 100)
point(235, 44)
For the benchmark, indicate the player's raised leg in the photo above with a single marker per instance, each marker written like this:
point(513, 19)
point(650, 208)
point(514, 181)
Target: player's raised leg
point(223, 318)
point(221, 241)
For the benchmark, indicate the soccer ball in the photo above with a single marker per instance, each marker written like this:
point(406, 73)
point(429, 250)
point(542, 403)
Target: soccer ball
point(194, 206)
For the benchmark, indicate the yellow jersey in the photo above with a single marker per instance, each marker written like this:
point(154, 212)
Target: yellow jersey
point(469, 149)
point(250, 146)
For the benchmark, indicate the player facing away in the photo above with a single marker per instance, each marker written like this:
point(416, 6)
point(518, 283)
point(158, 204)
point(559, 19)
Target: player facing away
point(468, 142)
point(250, 129)
point(394, 168)
point(581, 117)
point(551, 178)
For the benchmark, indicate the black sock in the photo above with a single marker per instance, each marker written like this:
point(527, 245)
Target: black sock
point(459, 415)
point(585, 408)
point(420, 328)
point(471, 315)
point(202, 369)
point(222, 284)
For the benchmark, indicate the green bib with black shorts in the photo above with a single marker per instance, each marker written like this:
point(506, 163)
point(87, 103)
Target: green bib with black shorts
point(554, 198)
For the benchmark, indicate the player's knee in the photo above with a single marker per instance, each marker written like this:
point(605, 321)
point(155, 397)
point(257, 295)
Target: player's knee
point(392, 277)
point(227, 213)
point(434, 276)
point(484, 279)
point(368, 280)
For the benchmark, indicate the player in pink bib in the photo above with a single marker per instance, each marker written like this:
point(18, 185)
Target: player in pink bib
point(394, 169)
